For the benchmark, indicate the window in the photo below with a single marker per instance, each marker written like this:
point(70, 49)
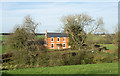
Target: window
point(63, 39)
point(52, 45)
point(58, 39)
point(52, 39)
point(63, 45)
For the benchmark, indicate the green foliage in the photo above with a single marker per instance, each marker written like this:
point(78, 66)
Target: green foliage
point(22, 35)
point(24, 43)
point(103, 58)
point(44, 59)
point(55, 59)
point(76, 25)
point(5, 39)
point(116, 38)
point(18, 40)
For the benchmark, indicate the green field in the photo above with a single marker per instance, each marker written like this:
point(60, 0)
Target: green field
point(3, 48)
point(104, 68)
point(41, 36)
point(111, 47)
point(3, 37)
point(95, 38)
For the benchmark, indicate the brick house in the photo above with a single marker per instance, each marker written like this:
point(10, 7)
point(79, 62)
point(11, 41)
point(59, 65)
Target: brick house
point(56, 40)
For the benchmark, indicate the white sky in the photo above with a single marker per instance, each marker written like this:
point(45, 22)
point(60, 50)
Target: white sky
point(49, 12)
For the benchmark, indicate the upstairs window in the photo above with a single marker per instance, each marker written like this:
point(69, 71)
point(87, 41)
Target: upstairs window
point(58, 39)
point(63, 39)
point(52, 39)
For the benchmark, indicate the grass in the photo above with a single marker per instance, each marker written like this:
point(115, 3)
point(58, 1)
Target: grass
point(111, 47)
point(3, 49)
point(41, 36)
point(104, 68)
point(95, 37)
point(3, 37)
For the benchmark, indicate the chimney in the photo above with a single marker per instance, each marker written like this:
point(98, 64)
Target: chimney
point(46, 31)
point(46, 34)
point(66, 31)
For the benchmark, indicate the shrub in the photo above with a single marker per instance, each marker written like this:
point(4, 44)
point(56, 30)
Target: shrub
point(101, 57)
point(42, 59)
point(55, 59)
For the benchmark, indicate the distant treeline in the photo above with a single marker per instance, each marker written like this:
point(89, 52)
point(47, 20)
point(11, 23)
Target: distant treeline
point(44, 34)
point(13, 33)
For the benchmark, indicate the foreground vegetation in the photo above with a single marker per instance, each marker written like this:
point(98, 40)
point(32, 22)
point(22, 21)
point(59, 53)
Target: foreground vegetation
point(25, 50)
point(104, 68)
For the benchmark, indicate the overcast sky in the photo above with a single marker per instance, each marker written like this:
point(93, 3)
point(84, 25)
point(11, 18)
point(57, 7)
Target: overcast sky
point(49, 13)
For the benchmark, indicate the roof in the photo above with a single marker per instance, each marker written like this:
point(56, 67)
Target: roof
point(57, 35)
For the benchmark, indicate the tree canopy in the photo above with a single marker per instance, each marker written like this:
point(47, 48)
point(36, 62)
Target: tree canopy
point(22, 34)
point(78, 26)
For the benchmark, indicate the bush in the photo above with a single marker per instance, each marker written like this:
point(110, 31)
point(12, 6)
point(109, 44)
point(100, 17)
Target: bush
point(55, 59)
point(44, 59)
point(101, 57)
point(82, 57)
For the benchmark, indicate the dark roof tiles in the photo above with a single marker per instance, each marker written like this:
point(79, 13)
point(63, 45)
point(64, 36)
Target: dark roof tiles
point(57, 35)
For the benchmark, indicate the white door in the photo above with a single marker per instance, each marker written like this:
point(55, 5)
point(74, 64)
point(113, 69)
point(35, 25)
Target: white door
point(58, 47)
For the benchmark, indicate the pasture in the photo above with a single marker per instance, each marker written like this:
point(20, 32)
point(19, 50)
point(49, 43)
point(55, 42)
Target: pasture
point(103, 68)
point(111, 47)
point(3, 37)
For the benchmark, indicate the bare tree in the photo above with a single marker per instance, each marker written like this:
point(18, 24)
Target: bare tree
point(78, 26)
point(24, 42)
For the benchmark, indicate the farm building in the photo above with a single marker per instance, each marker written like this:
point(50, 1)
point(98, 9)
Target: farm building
point(56, 40)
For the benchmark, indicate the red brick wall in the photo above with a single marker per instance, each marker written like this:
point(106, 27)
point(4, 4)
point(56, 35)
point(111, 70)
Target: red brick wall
point(55, 42)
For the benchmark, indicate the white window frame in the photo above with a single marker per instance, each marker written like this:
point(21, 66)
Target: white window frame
point(51, 45)
point(57, 39)
point(51, 39)
point(65, 45)
point(63, 39)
